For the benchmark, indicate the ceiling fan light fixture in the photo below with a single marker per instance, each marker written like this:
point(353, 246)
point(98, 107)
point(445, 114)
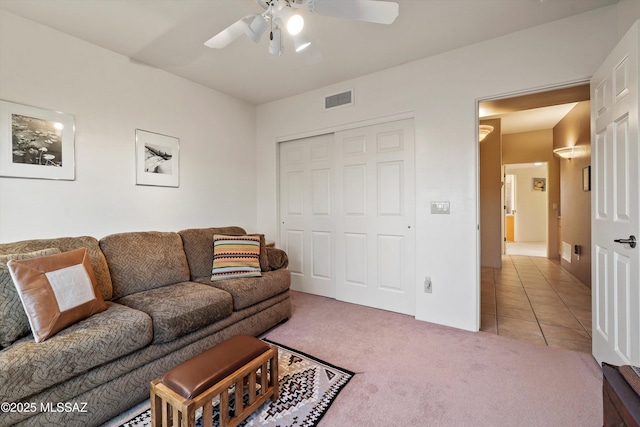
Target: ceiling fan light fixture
point(280, 14)
point(275, 42)
point(295, 24)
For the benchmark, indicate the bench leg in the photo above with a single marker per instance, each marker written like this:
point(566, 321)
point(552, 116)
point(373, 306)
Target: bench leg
point(275, 374)
point(207, 414)
point(224, 408)
point(156, 406)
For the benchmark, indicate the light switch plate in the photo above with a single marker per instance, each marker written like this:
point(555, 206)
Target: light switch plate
point(440, 208)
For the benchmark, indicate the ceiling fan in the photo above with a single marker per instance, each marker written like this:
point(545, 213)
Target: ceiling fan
point(280, 14)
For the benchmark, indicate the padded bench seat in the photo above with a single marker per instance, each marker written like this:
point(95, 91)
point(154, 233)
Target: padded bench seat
point(193, 384)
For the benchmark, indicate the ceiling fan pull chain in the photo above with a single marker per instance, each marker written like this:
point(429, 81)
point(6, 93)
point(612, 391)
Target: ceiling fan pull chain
point(271, 21)
point(271, 31)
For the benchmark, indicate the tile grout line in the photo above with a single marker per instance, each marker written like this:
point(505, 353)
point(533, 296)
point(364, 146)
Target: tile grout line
point(546, 269)
point(564, 302)
point(529, 300)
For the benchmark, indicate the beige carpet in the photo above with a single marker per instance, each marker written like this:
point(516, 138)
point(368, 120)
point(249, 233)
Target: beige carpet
point(307, 388)
point(413, 373)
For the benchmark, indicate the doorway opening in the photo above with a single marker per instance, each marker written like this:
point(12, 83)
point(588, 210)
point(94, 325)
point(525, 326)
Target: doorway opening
point(527, 291)
point(525, 207)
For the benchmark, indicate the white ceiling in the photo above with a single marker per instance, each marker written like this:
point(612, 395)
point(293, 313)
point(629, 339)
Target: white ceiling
point(533, 119)
point(169, 34)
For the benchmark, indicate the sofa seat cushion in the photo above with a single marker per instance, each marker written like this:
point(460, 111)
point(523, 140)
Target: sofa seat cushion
point(181, 308)
point(27, 367)
point(252, 290)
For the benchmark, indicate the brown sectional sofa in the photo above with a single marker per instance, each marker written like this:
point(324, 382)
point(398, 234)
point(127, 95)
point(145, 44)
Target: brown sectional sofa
point(162, 310)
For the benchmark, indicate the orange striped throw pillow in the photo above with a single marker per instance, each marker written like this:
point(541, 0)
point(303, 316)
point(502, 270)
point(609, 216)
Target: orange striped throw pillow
point(235, 256)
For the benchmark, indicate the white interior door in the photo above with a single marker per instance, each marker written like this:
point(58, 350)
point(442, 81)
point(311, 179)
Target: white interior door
point(306, 213)
point(615, 205)
point(375, 237)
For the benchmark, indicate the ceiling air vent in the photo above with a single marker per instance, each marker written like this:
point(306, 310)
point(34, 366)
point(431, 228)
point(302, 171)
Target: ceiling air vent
point(338, 100)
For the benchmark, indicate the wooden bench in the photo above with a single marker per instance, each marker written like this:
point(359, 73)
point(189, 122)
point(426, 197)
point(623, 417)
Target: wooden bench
point(239, 361)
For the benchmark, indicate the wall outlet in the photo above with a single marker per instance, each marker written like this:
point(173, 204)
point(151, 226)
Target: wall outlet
point(427, 285)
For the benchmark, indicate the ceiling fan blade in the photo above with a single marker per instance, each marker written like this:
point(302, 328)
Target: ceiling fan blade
point(229, 34)
point(306, 47)
point(311, 55)
point(379, 12)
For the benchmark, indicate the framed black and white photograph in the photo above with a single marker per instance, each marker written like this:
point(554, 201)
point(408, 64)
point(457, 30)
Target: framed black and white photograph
point(36, 143)
point(157, 159)
point(539, 184)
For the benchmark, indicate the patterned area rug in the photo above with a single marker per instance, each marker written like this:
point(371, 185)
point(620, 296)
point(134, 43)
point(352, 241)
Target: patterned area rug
point(308, 386)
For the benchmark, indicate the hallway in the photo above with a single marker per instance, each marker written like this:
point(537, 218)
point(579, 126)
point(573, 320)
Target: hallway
point(534, 299)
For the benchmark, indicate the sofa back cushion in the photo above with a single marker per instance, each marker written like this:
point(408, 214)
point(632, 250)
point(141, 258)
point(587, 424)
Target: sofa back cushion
point(198, 245)
point(139, 261)
point(66, 244)
point(13, 319)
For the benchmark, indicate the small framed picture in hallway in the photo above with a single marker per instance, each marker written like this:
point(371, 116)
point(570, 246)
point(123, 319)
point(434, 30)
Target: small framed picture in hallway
point(539, 184)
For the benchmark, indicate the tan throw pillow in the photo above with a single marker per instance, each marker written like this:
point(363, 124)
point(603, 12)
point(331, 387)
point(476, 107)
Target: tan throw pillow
point(264, 259)
point(13, 320)
point(56, 291)
point(235, 256)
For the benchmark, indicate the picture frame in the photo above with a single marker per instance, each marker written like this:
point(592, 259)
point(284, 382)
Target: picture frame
point(586, 178)
point(539, 184)
point(157, 159)
point(36, 142)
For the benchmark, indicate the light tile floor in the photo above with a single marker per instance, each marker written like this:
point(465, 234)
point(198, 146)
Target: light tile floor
point(526, 248)
point(535, 299)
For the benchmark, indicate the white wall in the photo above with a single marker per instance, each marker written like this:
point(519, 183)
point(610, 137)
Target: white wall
point(441, 92)
point(110, 97)
point(531, 206)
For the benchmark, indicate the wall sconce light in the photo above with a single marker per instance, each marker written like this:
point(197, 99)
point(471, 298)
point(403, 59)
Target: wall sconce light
point(569, 152)
point(484, 131)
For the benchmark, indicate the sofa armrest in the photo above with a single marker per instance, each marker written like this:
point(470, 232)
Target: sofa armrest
point(277, 258)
